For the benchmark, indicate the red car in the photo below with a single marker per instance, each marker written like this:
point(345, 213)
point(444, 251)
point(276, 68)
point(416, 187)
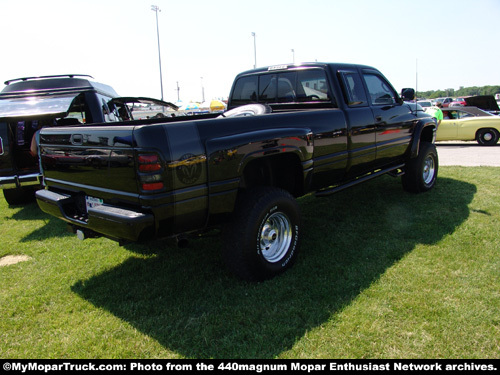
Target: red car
point(458, 102)
point(446, 101)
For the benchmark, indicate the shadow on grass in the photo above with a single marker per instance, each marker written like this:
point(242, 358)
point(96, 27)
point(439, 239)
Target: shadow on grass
point(186, 301)
point(53, 227)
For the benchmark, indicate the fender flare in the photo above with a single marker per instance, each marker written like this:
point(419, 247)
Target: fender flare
point(425, 130)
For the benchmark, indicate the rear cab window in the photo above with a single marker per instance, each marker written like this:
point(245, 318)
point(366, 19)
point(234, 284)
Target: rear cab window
point(302, 86)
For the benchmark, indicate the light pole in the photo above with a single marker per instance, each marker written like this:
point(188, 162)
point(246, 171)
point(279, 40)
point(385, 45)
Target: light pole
point(254, 51)
point(293, 55)
point(156, 9)
point(202, 91)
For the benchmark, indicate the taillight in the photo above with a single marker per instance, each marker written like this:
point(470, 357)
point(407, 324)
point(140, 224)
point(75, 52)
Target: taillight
point(148, 164)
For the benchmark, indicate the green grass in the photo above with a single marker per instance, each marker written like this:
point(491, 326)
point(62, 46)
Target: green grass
point(381, 274)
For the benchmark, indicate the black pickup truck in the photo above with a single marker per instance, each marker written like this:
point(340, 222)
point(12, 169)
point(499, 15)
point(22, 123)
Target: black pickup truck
point(288, 131)
point(31, 103)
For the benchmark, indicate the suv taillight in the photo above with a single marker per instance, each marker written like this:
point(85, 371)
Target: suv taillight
point(148, 165)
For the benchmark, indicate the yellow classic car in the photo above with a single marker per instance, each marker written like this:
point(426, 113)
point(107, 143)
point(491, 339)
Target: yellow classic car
point(469, 124)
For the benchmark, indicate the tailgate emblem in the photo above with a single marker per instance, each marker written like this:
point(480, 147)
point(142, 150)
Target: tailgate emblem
point(189, 168)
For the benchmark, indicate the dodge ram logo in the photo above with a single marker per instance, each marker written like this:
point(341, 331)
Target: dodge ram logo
point(189, 168)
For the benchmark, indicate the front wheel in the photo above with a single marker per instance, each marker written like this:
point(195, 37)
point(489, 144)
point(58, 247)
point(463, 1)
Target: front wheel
point(421, 172)
point(263, 238)
point(487, 137)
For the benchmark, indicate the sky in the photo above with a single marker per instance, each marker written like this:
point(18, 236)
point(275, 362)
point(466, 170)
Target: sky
point(424, 44)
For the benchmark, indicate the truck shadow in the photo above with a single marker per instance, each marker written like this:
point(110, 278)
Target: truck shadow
point(186, 300)
point(31, 212)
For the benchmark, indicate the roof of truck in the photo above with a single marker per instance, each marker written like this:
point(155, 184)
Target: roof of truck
point(51, 84)
point(282, 67)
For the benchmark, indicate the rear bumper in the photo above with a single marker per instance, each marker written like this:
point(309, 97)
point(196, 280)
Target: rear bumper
point(113, 222)
point(14, 182)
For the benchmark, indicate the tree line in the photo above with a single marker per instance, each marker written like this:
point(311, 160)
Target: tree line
point(462, 91)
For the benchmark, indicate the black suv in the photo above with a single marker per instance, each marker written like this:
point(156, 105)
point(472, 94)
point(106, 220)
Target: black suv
point(29, 104)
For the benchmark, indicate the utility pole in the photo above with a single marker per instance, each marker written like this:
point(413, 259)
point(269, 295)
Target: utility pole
point(156, 9)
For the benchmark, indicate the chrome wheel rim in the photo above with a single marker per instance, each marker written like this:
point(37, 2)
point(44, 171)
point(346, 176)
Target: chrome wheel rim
point(429, 170)
point(487, 137)
point(275, 237)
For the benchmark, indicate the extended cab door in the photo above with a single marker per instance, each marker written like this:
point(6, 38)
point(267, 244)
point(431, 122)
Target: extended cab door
point(393, 119)
point(362, 146)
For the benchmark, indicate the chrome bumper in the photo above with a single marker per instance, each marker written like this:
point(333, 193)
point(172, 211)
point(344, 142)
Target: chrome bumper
point(113, 222)
point(14, 182)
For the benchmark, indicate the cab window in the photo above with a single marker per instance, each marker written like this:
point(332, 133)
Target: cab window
point(299, 86)
point(379, 90)
point(245, 91)
point(312, 86)
point(353, 89)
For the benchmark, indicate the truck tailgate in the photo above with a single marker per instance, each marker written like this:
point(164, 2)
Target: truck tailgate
point(96, 160)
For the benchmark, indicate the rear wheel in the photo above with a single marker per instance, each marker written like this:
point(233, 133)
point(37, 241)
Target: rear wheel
point(421, 172)
point(263, 238)
point(22, 195)
point(487, 137)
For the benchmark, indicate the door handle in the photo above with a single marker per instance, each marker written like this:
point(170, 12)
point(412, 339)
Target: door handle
point(76, 139)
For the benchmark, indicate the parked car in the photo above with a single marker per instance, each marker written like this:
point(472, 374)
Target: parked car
point(425, 103)
point(485, 102)
point(469, 124)
point(445, 101)
point(458, 102)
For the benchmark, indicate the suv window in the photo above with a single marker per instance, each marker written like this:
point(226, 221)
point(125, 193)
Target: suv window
point(380, 91)
point(76, 113)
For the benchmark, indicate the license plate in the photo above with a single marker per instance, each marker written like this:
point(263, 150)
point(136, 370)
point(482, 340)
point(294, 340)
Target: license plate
point(91, 202)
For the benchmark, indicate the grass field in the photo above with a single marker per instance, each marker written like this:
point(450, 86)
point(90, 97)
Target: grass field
point(381, 274)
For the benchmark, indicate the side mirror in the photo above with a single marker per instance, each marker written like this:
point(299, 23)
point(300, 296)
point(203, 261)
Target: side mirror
point(408, 94)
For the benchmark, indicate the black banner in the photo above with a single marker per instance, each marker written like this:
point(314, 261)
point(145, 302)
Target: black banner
point(304, 366)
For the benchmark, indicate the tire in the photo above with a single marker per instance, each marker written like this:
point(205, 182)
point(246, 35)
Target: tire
point(487, 137)
point(20, 196)
point(421, 173)
point(263, 238)
point(247, 110)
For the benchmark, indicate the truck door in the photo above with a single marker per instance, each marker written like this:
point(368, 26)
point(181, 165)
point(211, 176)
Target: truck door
point(393, 119)
point(362, 146)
